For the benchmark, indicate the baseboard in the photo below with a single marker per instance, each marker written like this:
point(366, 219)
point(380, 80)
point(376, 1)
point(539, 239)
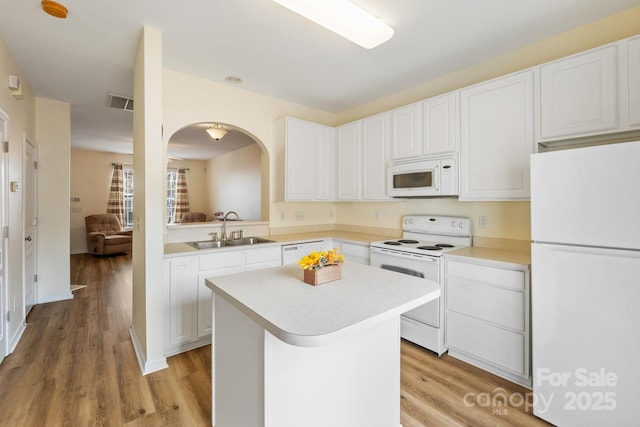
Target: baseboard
point(78, 251)
point(146, 367)
point(16, 337)
point(54, 298)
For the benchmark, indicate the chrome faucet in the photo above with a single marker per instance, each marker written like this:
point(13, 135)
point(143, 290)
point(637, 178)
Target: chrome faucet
point(224, 223)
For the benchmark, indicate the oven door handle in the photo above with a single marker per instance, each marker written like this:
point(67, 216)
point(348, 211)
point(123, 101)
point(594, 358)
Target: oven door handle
point(404, 254)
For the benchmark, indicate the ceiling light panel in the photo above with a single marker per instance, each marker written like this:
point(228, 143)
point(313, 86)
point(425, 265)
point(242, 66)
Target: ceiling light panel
point(343, 18)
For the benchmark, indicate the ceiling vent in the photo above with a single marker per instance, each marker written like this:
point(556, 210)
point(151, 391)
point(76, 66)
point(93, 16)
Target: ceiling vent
point(120, 102)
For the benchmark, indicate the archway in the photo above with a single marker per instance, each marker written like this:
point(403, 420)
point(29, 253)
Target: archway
point(229, 173)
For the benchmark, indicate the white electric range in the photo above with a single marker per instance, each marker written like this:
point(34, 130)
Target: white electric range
point(425, 238)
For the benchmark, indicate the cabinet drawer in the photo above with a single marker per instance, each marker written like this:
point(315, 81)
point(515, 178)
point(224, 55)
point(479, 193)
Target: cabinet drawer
point(221, 259)
point(512, 279)
point(263, 255)
point(500, 306)
point(355, 250)
point(492, 344)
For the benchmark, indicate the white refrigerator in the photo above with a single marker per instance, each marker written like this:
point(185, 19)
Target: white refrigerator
point(585, 293)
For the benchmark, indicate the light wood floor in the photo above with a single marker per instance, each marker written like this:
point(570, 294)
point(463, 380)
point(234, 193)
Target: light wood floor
point(75, 366)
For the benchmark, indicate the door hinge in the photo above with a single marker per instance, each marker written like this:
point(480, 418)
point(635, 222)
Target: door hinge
point(5, 146)
point(35, 165)
point(35, 278)
point(8, 316)
point(5, 231)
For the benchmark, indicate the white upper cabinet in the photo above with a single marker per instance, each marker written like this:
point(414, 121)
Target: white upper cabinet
point(439, 124)
point(406, 131)
point(310, 161)
point(375, 155)
point(496, 138)
point(579, 94)
point(634, 82)
point(349, 161)
point(363, 152)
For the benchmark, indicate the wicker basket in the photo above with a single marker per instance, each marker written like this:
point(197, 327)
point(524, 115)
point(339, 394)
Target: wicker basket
point(326, 274)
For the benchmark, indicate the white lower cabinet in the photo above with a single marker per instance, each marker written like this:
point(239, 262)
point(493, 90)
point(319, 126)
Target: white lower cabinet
point(354, 252)
point(258, 258)
point(487, 315)
point(180, 276)
point(187, 299)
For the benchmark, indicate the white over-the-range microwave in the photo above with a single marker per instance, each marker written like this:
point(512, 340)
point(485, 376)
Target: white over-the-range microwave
point(423, 177)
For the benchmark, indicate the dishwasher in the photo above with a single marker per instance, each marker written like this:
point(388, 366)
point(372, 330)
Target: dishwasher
point(293, 253)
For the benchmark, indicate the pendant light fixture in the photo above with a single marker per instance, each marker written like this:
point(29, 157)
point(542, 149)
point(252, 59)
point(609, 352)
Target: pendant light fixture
point(217, 132)
point(343, 18)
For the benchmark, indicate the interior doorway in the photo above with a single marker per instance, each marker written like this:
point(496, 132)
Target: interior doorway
point(30, 224)
point(4, 296)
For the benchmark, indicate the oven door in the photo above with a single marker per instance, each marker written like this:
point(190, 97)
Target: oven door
point(415, 265)
point(414, 178)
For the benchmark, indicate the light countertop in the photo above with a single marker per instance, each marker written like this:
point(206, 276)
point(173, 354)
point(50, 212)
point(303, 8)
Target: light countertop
point(501, 255)
point(307, 316)
point(282, 239)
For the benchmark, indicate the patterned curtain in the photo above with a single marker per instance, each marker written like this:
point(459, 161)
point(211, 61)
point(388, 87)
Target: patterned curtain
point(182, 196)
point(115, 204)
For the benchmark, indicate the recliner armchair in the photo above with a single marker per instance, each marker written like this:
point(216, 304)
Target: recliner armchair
point(105, 235)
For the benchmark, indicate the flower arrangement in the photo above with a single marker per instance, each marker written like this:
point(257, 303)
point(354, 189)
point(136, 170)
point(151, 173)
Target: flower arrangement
point(317, 260)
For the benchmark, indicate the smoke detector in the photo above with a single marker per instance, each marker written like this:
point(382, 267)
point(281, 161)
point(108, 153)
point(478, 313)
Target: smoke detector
point(54, 9)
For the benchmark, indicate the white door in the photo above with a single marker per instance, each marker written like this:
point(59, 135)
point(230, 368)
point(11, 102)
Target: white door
point(30, 225)
point(585, 335)
point(3, 205)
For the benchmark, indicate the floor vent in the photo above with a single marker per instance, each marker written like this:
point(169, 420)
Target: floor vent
point(120, 102)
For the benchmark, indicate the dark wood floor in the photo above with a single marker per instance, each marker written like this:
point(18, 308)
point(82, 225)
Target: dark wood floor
point(75, 366)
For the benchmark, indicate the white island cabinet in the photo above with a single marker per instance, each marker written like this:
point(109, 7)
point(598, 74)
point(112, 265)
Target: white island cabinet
point(288, 354)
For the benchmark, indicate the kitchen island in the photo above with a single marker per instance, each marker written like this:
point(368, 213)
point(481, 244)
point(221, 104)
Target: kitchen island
point(286, 353)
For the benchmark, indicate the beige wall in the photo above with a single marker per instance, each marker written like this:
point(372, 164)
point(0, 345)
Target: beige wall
point(53, 137)
point(188, 99)
point(235, 182)
point(149, 168)
point(21, 123)
point(90, 181)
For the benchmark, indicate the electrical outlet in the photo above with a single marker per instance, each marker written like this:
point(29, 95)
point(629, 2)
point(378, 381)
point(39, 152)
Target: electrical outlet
point(300, 215)
point(281, 216)
point(378, 215)
point(330, 213)
point(483, 221)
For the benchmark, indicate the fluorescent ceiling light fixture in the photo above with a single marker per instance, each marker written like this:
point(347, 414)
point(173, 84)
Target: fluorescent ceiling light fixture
point(216, 132)
point(343, 18)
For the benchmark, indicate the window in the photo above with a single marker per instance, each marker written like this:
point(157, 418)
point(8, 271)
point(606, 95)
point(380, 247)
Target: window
point(172, 177)
point(127, 173)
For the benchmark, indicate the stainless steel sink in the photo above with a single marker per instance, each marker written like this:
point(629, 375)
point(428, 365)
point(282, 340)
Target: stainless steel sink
point(214, 244)
point(247, 241)
point(207, 244)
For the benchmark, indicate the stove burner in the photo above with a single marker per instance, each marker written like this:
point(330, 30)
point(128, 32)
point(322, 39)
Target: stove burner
point(445, 245)
point(430, 248)
point(408, 241)
point(393, 243)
